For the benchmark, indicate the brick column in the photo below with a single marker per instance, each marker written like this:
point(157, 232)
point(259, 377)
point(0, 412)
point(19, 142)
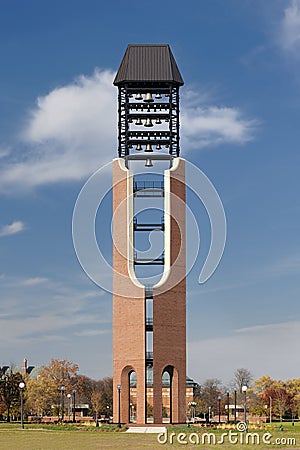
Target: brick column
point(169, 300)
point(128, 301)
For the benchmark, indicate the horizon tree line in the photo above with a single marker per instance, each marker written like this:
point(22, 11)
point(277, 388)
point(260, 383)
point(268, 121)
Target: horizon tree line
point(42, 396)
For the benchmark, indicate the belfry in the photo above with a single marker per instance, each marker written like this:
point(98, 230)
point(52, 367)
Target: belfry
point(149, 318)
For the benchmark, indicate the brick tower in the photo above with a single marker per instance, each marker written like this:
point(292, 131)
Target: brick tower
point(149, 320)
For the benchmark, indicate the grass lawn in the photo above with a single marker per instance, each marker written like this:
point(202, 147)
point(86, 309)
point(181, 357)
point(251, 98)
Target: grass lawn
point(69, 440)
point(37, 437)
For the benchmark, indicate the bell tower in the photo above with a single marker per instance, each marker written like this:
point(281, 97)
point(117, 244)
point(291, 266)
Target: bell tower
point(149, 320)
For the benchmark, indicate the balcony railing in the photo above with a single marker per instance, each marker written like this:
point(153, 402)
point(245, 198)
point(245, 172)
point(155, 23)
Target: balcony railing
point(148, 188)
point(149, 324)
point(149, 356)
point(160, 260)
point(148, 291)
point(137, 226)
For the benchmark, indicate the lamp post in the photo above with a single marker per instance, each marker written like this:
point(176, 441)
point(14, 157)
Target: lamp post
point(244, 389)
point(209, 414)
point(219, 407)
point(227, 393)
point(74, 404)
point(69, 401)
point(270, 409)
point(21, 386)
point(62, 389)
point(235, 406)
point(119, 405)
point(130, 415)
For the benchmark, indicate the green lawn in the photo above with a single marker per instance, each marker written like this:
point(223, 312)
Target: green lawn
point(36, 437)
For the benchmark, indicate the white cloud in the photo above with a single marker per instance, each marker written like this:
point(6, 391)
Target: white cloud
point(4, 151)
point(89, 333)
point(79, 114)
point(289, 30)
point(36, 313)
point(287, 266)
point(72, 131)
point(13, 228)
point(214, 125)
point(33, 281)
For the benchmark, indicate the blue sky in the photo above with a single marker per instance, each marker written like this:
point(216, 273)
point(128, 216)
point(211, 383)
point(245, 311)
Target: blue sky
point(239, 113)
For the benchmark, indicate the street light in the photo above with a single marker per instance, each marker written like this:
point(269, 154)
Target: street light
point(119, 405)
point(74, 404)
point(62, 389)
point(219, 406)
point(244, 389)
point(270, 409)
point(235, 406)
point(69, 401)
point(227, 393)
point(21, 386)
point(130, 412)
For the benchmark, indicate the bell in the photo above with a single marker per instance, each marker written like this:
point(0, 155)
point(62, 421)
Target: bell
point(138, 121)
point(148, 97)
point(139, 97)
point(158, 147)
point(148, 123)
point(148, 148)
point(148, 163)
point(167, 94)
point(158, 95)
point(158, 121)
point(139, 147)
point(130, 120)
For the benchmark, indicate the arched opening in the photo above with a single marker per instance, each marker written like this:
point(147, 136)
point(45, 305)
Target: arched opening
point(166, 394)
point(126, 398)
point(149, 394)
point(132, 400)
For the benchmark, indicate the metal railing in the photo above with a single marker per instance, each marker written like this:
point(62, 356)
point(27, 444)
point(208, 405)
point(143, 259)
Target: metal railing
point(148, 188)
point(148, 291)
point(149, 321)
point(142, 185)
point(138, 226)
point(149, 261)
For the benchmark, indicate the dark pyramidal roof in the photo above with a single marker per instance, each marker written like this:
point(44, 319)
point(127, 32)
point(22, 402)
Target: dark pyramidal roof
point(148, 63)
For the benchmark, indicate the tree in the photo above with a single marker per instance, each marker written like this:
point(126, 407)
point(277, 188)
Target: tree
point(242, 377)
point(44, 394)
point(281, 399)
point(207, 396)
point(41, 397)
point(263, 383)
point(62, 372)
point(9, 390)
point(85, 386)
point(96, 403)
point(106, 388)
point(293, 388)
